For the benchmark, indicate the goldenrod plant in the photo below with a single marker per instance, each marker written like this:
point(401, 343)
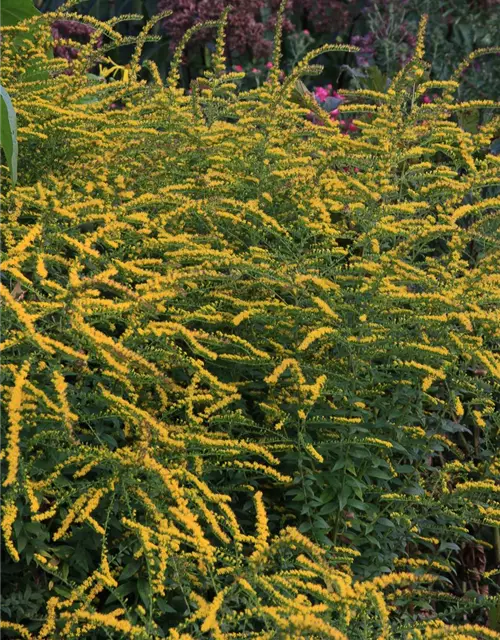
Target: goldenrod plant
point(250, 363)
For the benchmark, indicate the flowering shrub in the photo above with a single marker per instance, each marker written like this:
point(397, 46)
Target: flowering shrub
point(247, 30)
point(217, 338)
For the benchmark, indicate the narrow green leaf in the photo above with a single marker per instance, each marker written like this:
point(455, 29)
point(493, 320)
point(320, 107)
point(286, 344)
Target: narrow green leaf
point(144, 591)
point(8, 132)
point(130, 569)
point(300, 94)
point(14, 11)
point(469, 120)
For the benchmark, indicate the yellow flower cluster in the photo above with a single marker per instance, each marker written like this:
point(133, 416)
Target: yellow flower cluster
point(9, 515)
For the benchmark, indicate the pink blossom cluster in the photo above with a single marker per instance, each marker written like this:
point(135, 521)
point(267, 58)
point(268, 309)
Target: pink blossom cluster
point(256, 71)
point(322, 95)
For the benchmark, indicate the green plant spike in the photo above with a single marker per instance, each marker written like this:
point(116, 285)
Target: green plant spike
point(8, 132)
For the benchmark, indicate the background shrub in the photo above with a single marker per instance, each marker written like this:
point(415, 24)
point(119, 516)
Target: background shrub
point(385, 31)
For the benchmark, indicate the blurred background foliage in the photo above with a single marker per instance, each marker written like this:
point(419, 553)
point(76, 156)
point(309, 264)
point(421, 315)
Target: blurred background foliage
point(383, 29)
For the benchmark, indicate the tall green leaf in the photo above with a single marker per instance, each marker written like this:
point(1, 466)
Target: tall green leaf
point(13, 11)
point(8, 132)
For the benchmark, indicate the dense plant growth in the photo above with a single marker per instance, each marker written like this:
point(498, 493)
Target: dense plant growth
point(250, 363)
point(385, 31)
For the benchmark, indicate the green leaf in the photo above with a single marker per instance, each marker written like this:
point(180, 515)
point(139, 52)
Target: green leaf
point(300, 94)
point(328, 508)
point(386, 522)
point(358, 504)
point(14, 11)
point(494, 617)
point(34, 74)
point(375, 80)
point(8, 133)
point(469, 120)
point(380, 473)
point(21, 543)
point(164, 607)
point(344, 496)
point(144, 591)
point(129, 570)
point(414, 491)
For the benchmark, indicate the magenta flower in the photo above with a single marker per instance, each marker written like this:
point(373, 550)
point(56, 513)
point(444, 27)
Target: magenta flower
point(238, 67)
point(321, 93)
point(269, 65)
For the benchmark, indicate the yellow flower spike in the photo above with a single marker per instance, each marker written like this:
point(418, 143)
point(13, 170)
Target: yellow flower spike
point(24, 319)
point(14, 412)
point(9, 516)
point(261, 543)
point(61, 389)
point(22, 631)
point(288, 363)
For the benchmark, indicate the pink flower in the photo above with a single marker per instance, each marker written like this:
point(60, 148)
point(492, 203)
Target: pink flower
point(356, 170)
point(269, 65)
point(306, 32)
point(238, 67)
point(254, 70)
point(334, 113)
point(352, 127)
point(321, 93)
point(426, 99)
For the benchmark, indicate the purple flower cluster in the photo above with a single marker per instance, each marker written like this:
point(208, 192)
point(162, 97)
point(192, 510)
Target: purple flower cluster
point(325, 16)
point(368, 45)
point(71, 30)
point(402, 38)
point(366, 55)
point(246, 33)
